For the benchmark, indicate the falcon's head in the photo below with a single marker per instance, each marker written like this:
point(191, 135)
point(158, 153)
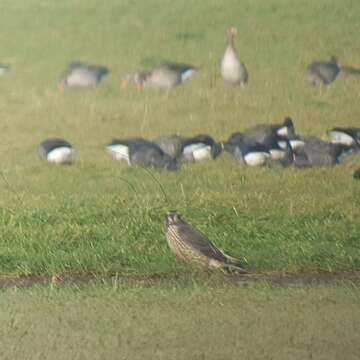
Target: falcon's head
point(173, 218)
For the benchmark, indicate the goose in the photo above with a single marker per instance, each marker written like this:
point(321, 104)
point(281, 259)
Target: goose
point(141, 152)
point(231, 69)
point(78, 74)
point(4, 69)
point(322, 72)
point(280, 149)
point(275, 138)
point(200, 147)
point(357, 174)
point(246, 150)
point(164, 76)
point(262, 131)
point(56, 151)
point(348, 136)
point(171, 144)
point(316, 152)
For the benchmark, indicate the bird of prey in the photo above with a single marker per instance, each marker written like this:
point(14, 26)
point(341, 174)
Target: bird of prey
point(192, 246)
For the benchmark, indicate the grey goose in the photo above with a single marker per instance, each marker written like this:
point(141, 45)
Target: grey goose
point(232, 70)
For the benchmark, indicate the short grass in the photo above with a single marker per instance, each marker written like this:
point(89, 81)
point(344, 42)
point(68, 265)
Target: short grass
point(188, 321)
point(103, 217)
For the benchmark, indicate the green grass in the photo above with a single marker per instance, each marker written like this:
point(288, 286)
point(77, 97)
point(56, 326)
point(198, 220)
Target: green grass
point(101, 216)
point(184, 322)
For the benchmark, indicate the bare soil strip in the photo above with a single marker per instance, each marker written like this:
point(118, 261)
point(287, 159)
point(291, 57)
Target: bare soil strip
point(279, 278)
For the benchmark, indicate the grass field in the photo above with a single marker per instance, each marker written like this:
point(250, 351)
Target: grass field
point(257, 322)
point(101, 217)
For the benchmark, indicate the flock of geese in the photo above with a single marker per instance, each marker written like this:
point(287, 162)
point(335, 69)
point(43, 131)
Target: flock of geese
point(256, 146)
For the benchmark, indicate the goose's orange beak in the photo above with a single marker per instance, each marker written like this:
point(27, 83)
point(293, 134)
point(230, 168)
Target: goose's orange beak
point(232, 30)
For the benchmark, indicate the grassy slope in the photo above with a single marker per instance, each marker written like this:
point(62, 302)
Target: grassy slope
point(257, 322)
point(88, 218)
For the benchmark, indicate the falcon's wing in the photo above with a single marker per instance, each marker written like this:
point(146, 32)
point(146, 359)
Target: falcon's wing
point(197, 240)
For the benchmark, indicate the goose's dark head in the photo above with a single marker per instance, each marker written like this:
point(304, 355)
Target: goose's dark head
point(287, 129)
point(288, 122)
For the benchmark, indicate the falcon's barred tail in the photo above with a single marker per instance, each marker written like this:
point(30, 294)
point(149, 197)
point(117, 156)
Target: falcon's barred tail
point(235, 264)
point(234, 269)
point(228, 268)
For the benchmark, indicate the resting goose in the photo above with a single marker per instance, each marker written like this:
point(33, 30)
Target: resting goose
point(171, 144)
point(137, 151)
point(78, 74)
point(263, 131)
point(347, 136)
point(56, 151)
point(231, 69)
point(280, 149)
point(274, 138)
point(4, 69)
point(316, 152)
point(164, 76)
point(199, 148)
point(246, 150)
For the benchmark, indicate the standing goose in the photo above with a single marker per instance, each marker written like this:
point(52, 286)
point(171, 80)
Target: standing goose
point(137, 151)
point(322, 72)
point(325, 72)
point(56, 151)
point(164, 76)
point(231, 69)
point(78, 74)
